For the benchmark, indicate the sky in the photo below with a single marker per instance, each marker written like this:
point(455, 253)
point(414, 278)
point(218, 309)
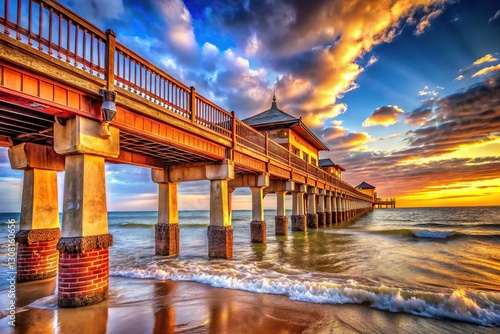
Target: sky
point(405, 93)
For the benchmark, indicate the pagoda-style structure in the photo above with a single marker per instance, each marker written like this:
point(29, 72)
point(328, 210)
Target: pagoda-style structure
point(288, 131)
point(366, 189)
point(331, 168)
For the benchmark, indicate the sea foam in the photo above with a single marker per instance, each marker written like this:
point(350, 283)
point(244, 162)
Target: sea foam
point(481, 309)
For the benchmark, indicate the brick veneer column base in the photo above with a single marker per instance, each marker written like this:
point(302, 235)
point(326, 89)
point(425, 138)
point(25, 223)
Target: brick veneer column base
point(37, 256)
point(220, 242)
point(281, 225)
point(83, 270)
point(258, 231)
point(167, 239)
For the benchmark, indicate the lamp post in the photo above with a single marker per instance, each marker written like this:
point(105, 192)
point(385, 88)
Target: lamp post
point(108, 111)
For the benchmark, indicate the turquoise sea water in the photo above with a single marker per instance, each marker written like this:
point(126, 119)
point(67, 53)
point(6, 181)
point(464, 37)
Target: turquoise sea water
point(441, 263)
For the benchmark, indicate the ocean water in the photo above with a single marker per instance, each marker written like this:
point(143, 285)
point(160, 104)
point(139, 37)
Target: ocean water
point(441, 263)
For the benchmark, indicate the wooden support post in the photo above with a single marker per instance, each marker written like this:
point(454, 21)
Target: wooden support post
point(109, 60)
point(192, 104)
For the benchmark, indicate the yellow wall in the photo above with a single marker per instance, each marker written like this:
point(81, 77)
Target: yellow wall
point(370, 192)
point(304, 147)
point(333, 171)
point(295, 140)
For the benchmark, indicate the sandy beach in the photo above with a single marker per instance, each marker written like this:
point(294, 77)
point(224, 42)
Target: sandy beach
point(152, 306)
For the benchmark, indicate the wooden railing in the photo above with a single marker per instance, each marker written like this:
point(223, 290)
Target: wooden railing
point(56, 31)
point(249, 137)
point(53, 29)
point(212, 116)
point(136, 74)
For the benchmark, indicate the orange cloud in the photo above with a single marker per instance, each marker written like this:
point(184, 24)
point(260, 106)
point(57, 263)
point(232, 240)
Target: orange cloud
point(385, 116)
point(485, 59)
point(303, 46)
point(486, 70)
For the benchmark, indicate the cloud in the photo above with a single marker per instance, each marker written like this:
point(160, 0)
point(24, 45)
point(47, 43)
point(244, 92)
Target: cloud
point(425, 22)
point(317, 48)
point(342, 142)
point(477, 68)
point(487, 70)
point(485, 59)
point(430, 92)
point(99, 11)
point(178, 24)
point(395, 135)
point(371, 61)
point(495, 16)
point(444, 126)
point(385, 116)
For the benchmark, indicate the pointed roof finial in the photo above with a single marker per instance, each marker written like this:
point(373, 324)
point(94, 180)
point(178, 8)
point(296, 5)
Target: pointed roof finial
point(274, 95)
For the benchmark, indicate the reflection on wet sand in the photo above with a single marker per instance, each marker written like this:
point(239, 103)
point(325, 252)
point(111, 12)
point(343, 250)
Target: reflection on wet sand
point(91, 319)
point(29, 321)
point(164, 311)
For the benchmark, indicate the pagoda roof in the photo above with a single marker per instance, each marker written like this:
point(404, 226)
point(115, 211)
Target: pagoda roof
point(364, 185)
point(329, 163)
point(275, 118)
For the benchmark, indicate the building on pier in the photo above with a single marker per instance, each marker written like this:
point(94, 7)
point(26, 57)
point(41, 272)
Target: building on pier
point(366, 189)
point(289, 132)
point(331, 168)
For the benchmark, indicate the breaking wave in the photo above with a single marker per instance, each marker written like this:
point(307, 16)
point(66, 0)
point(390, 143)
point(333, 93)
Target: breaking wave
point(434, 234)
point(477, 308)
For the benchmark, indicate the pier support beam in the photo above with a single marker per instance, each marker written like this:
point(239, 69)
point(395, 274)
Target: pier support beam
point(312, 216)
point(334, 208)
point(167, 229)
point(321, 208)
point(328, 208)
point(281, 220)
point(258, 224)
point(299, 220)
point(340, 209)
point(39, 232)
point(220, 231)
point(83, 247)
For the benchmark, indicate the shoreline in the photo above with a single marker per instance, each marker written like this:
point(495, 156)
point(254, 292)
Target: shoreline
point(154, 306)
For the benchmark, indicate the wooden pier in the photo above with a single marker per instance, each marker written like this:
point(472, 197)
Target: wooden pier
point(72, 98)
point(384, 203)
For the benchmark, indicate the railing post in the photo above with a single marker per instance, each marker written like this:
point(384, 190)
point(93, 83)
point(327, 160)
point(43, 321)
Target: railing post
point(5, 28)
point(266, 144)
point(109, 61)
point(233, 132)
point(192, 104)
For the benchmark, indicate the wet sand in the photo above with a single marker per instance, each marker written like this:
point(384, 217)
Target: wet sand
point(149, 306)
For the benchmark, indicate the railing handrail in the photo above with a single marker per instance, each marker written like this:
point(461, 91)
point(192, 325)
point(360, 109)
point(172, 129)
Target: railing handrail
point(149, 65)
point(86, 45)
point(207, 101)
